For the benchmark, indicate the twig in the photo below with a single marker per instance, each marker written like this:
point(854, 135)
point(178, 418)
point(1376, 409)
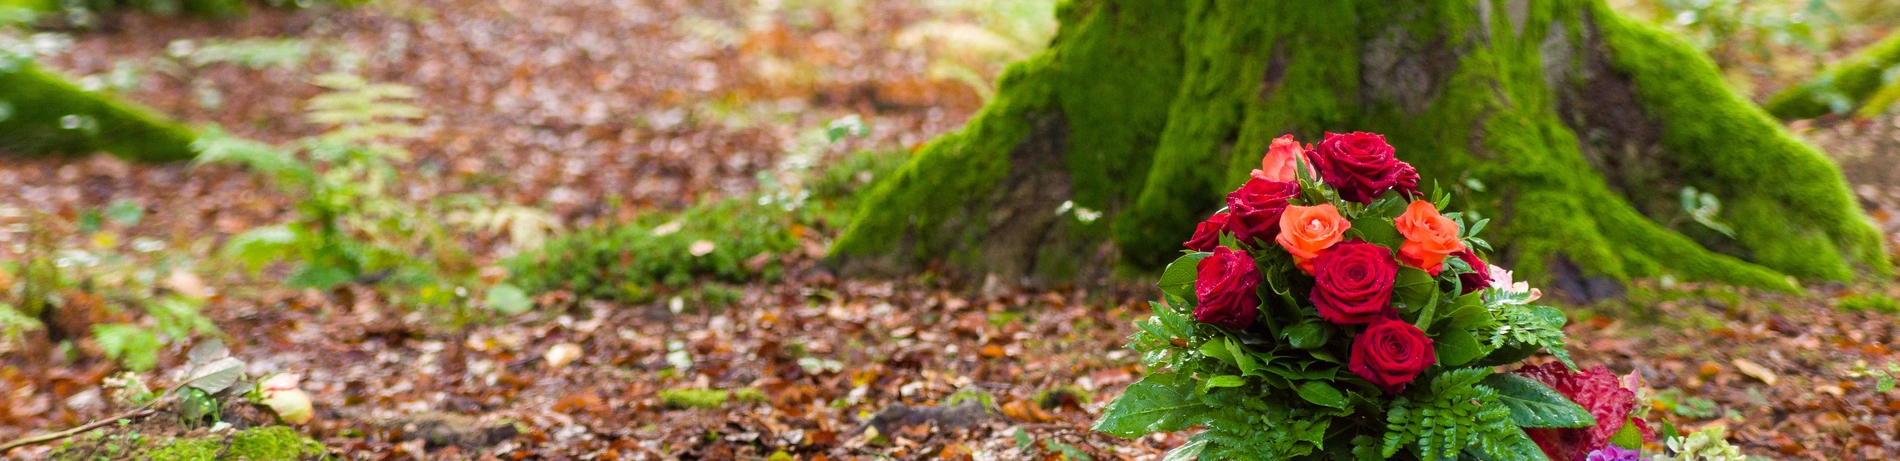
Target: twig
point(139, 413)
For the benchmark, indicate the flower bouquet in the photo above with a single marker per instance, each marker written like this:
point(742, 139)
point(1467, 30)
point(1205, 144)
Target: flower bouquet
point(1332, 311)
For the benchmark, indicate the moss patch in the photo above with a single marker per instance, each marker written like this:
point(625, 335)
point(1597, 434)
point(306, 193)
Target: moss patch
point(705, 399)
point(273, 443)
point(40, 114)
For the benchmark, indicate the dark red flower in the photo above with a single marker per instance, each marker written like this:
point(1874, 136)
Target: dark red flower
point(1353, 283)
point(1359, 165)
point(1390, 353)
point(1207, 234)
point(1596, 390)
point(1480, 276)
point(1225, 287)
point(1256, 209)
point(1407, 181)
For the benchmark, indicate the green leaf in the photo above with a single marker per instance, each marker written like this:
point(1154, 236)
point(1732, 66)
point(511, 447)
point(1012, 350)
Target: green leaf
point(1178, 278)
point(1628, 437)
point(132, 345)
point(216, 375)
point(1162, 402)
point(1457, 347)
point(1219, 350)
point(1308, 335)
point(1322, 394)
point(1533, 404)
point(1414, 288)
point(1188, 451)
point(124, 212)
point(260, 246)
point(1467, 313)
point(1224, 381)
point(1376, 230)
point(319, 277)
point(508, 300)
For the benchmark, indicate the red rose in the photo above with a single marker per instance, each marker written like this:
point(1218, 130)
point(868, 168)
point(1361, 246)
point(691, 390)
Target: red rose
point(1358, 165)
point(1596, 390)
point(1353, 283)
point(1256, 209)
point(1225, 284)
point(1207, 234)
point(1390, 353)
point(1480, 276)
point(1407, 182)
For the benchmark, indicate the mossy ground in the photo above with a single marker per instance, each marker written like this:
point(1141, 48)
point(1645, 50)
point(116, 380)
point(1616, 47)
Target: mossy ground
point(43, 114)
point(273, 443)
point(653, 254)
point(1469, 91)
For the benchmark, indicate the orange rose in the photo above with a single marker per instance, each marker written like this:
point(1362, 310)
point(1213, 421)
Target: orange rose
point(1429, 237)
point(1305, 231)
point(1281, 161)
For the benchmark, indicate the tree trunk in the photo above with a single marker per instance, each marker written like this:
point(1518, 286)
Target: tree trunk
point(1574, 127)
point(1860, 79)
point(42, 114)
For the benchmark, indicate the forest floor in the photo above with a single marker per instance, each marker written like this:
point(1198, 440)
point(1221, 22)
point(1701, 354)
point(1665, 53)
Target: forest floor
point(567, 105)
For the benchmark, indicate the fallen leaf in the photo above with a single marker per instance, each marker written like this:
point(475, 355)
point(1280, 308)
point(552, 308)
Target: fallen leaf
point(1026, 411)
point(187, 284)
point(562, 354)
point(1755, 370)
point(701, 248)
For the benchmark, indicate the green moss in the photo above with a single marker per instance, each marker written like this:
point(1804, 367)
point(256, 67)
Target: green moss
point(204, 8)
point(275, 443)
point(1842, 86)
point(749, 395)
point(1110, 66)
point(705, 399)
point(1870, 302)
point(40, 113)
point(1790, 204)
point(628, 262)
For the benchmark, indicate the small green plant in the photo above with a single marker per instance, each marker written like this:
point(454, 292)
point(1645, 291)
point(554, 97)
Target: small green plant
point(1884, 378)
point(1686, 405)
point(1704, 445)
point(706, 399)
point(351, 226)
point(1870, 302)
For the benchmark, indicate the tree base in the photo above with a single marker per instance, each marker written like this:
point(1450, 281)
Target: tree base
point(1572, 126)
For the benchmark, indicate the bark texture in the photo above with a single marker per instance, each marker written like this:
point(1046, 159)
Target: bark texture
point(1572, 126)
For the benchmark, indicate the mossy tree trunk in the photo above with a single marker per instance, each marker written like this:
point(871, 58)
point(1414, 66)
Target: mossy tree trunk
point(1574, 127)
point(1866, 79)
point(43, 114)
